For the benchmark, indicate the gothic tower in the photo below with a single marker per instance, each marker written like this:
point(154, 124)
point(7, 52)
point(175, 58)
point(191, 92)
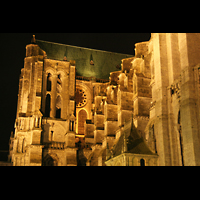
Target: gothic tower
point(174, 112)
point(45, 121)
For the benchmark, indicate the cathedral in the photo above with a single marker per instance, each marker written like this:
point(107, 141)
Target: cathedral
point(85, 107)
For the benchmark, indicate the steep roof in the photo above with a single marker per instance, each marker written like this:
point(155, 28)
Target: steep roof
point(135, 143)
point(104, 62)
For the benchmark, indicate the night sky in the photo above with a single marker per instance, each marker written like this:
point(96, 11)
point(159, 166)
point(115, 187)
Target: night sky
point(12, 53)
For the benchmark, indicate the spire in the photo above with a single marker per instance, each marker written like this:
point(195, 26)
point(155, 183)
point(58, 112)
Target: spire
point(91, 60)
point(33, 40)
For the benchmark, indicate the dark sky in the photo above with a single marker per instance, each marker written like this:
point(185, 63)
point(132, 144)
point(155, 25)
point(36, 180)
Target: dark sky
point(12, 53)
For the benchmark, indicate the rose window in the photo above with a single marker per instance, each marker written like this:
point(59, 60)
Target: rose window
point(81, 98)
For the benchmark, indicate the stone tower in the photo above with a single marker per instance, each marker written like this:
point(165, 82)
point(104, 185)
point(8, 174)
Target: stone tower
point(55, 99)
point(174, 113)
point(45, 121)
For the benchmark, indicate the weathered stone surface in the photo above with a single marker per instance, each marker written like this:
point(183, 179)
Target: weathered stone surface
point(65, 105)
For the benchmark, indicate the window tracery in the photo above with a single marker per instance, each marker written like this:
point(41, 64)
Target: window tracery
point(81, 98)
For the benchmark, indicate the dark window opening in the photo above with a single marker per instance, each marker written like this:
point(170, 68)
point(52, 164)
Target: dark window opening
point(48, 105)
point(51, 135)
point(49, 82)
point(38, 123)
point(142, 162)
point(58, 113)
point(71, 125)
point(23, 145)
point(172, 92)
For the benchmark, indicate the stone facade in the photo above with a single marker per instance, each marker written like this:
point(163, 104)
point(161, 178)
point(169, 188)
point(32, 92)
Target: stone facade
point(44, 127)
point(146, 114)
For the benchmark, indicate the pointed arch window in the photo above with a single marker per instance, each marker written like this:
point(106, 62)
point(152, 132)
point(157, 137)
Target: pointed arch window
point(82, 116)
point(59, 84)
point(48, 105)
point(49, 78)
point(142, 162)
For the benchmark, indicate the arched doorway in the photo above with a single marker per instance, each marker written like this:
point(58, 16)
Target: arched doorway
point(82, 116)
point(50, 161)
point(142, 162)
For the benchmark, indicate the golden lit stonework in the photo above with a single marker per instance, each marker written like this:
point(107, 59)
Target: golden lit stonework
point(125, 110)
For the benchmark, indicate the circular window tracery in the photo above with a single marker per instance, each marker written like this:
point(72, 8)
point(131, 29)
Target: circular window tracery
point(81, 98)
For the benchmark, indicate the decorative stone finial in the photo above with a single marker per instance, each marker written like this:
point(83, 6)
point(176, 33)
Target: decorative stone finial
point(91, 62)
point(33, 40)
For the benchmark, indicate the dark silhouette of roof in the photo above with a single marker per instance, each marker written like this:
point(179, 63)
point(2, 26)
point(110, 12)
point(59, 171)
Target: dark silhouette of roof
point(103, 62)
point(135, 143)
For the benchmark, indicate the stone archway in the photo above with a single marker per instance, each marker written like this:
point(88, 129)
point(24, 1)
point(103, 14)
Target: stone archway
point(118, 163)
point(50, 160)
point(82, 116)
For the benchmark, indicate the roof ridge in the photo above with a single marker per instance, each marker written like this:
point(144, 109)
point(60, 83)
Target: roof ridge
point(83, 47)
point(135, 141)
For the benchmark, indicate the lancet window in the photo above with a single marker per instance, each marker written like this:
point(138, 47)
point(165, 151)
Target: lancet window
point(49, 79)
point(48, 105)
point(142, 162)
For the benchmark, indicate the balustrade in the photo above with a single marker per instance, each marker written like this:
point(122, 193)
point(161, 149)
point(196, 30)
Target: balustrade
point(55, 145)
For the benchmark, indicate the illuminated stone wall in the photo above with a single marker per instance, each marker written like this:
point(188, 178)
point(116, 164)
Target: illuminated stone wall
point(158, 89)
point(174, 111)
point(45, 122)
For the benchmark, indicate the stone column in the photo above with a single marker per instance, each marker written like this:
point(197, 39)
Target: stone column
point(160, 95)
point(189, 46)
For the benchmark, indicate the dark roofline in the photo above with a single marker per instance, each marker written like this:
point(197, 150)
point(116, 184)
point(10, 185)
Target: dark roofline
point(137, 140)
point(84, 48)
